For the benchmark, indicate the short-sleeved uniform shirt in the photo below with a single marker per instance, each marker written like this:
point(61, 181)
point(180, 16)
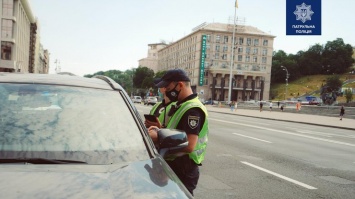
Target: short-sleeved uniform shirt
point(193, 119)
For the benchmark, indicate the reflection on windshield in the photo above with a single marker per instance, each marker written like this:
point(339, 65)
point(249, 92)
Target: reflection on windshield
point(75, 123)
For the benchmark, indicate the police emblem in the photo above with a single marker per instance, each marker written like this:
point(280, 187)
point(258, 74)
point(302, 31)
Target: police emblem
point(193, 121)
point(303, 12)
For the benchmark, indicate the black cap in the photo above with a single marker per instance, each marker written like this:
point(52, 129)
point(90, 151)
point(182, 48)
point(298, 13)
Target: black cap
point(174, 75)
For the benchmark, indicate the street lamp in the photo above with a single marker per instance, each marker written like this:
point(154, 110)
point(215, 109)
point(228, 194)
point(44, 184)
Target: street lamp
point(287, 76)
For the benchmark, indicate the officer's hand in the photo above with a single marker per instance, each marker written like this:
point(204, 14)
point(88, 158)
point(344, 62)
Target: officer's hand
point(149, 123)
point(153, 133)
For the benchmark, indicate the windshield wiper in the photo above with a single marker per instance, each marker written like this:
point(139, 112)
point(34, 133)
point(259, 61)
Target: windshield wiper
point(40, 161)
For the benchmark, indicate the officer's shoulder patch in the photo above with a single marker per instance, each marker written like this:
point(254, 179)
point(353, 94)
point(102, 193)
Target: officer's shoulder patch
point(193, 121)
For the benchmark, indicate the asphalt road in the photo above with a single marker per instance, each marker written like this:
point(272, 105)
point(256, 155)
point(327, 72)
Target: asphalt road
point(258, 158)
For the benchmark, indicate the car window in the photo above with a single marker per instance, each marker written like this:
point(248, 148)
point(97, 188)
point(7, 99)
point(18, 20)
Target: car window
point(73, 123)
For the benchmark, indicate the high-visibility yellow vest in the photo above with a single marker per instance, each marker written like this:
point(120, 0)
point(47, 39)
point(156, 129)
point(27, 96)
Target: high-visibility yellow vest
point(199, 151)
point(163, 113)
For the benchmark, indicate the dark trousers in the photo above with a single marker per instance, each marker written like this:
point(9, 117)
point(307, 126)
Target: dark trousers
point(187, 171)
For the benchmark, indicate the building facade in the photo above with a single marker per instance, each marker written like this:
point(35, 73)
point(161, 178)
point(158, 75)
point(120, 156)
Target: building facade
point(19, 38)
point(206, 55)
point(151, 61)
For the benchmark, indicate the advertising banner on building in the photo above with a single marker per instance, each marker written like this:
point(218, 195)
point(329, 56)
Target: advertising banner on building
point(203, 56)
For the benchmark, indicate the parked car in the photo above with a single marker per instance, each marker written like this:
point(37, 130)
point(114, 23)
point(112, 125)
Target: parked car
point(74, 137)
point(150, 101)
point(207, 102)
point(137, 99)
point(314, 102)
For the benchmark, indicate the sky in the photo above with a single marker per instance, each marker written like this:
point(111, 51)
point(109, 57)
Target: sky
point(87, 36)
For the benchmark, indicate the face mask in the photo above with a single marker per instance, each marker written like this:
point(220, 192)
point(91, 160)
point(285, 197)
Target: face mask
point(173, 94)
point(160, 94)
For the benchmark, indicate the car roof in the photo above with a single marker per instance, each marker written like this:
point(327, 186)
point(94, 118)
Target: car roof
point(100, 82)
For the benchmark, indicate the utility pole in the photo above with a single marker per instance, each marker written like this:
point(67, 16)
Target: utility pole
point(232, 57)
point(287, 76)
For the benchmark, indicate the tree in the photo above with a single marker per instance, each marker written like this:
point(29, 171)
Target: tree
point(140, 75)
point(310, 61)
point(334, 83)
point(337, 57)
point(348, 95)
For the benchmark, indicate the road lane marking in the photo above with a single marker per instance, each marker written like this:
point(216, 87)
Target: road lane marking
point(252, 138)
point(280, 176)
point(314, 133)
point(285, 132)
point(254, 122)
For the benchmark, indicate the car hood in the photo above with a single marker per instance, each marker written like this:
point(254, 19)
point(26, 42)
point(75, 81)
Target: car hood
point(145, 179)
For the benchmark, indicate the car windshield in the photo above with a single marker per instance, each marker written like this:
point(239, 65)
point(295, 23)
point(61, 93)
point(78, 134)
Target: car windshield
point(68, 123)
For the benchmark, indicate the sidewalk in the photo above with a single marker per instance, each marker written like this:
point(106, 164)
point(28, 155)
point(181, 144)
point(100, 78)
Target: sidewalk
point(289, 117)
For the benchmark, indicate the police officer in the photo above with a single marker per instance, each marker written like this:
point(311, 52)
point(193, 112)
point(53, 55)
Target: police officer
point(189, 115)
point(160, 110)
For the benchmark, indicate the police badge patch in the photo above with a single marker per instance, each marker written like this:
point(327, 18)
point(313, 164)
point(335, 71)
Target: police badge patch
point(193, 121)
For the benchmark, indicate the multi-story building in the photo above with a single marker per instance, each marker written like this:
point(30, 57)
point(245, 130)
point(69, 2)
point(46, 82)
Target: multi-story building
point(206, 55)
point(19, 38)
point(151, 61)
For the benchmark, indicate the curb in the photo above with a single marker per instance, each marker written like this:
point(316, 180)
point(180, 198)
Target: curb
point(324, 125)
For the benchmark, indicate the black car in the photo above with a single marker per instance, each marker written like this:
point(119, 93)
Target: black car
point(66, 136)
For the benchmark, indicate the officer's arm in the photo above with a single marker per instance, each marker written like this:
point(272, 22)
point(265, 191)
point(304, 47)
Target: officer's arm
point(192, 143)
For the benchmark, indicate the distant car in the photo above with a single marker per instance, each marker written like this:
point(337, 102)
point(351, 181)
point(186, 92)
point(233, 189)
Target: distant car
point(150, 101)
point(137, 99)
point(208, 102)
point(74, 137)
point(313, 102)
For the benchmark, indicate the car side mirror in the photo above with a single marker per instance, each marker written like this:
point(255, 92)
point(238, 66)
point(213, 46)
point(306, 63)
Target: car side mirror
point(171, 141)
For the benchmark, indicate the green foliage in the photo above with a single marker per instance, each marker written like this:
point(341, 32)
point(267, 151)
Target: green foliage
point(337, 57)
point(333, 82)
point(332, 58)
point(143, 77)
point(348, 95)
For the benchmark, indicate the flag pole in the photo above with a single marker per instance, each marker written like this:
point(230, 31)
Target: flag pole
point(232, 57)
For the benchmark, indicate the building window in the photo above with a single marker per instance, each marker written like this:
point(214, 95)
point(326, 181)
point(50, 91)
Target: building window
point(264, 52)
point(240, 57)
point(256, 68)
point(256, 42)
point(247, 50)
point(255, 51)
point(247, 58)
point(239, 67)
point(224, 56)
point(263, 60)
point(224, 65)
point(218, 38)
point(225, 39)
point(216, 55)
point(6, 50)
point(6, 28)
point(265, 42)
point(225, 48)
point(246, 67)
point(207, 64)
point(248, 41)
point(208, 46)
point(208, 38)
point(255, 59)
point(240, 50)
point(217, 48)
point(7, 7)
point(241, 40)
